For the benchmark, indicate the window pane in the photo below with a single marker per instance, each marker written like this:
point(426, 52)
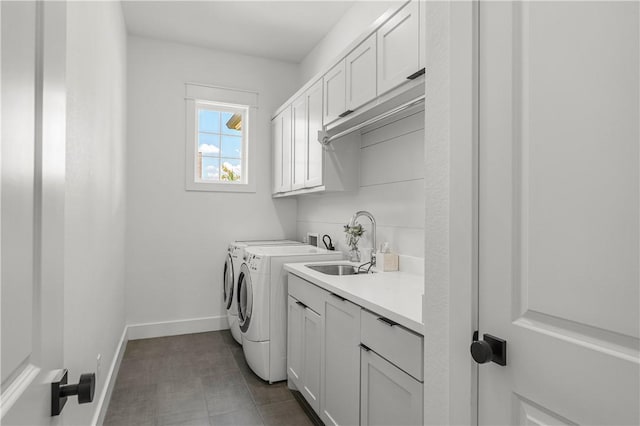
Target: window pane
point(210, 169)
point(231, 169)
point(208, 121)
point(209, 144)
point(229, 126)
point(231, 146)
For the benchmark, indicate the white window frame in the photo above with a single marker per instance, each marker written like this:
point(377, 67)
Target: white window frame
point(199, 96)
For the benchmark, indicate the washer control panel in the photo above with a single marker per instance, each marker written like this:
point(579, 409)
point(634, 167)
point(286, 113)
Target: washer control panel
point(253, 261)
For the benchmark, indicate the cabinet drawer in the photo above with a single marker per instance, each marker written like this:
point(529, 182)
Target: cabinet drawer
point(307, 293)
point(398, 345)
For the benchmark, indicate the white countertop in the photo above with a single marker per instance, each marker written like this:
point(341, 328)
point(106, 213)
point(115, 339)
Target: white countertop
point(394, 295)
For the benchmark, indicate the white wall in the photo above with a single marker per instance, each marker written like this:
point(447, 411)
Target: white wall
point(354, 22)
point(176, 240)
point(95, 193)
point(391, 188)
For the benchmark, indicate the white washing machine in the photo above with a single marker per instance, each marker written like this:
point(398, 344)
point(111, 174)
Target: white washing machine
point(231, 271)
point(262, 305)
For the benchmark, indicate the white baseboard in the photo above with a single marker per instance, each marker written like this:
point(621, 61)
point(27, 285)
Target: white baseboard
point(173, 328)
point(105, 396)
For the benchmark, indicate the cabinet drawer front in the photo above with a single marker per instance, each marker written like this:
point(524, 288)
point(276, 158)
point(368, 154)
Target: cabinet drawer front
point(307, 293)
point(400, 346)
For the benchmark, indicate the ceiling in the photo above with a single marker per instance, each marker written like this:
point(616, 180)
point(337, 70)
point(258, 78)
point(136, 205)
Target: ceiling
point(284, 30)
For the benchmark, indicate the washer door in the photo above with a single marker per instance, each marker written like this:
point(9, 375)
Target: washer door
point(228, 283)
point(245, 298)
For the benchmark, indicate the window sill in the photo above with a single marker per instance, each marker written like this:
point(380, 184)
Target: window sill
point(220, 187)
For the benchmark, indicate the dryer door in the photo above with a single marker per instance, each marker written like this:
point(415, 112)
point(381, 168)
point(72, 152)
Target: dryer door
point(244, 298)
point(228, 281)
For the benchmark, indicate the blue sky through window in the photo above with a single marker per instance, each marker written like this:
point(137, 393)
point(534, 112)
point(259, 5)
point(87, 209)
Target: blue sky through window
point(219, 146)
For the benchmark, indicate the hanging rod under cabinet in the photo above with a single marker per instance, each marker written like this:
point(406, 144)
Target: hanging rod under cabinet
point(325, 139)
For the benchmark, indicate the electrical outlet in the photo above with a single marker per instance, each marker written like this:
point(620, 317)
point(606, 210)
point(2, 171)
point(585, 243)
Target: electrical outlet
point(98, 361)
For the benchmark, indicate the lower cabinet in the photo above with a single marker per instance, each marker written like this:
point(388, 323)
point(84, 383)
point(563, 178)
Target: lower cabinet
point(304, 350)
point(388, 395)
point(341, 362)
point(352, 366)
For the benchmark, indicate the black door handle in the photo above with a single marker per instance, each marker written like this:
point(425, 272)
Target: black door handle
point(60, 390)
point(489, 349)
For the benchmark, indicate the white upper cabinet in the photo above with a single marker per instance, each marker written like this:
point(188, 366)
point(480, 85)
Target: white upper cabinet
point(398, 48)
point(314, 153)
point(335, 103)
point(281, 126)
point(361, 74)
point(300, 141)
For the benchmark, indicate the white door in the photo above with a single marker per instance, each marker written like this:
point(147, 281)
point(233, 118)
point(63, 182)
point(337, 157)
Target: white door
point(558, 211)
point(32, 207)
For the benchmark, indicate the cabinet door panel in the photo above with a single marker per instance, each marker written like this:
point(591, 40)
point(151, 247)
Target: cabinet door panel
point(312, 332)
point(361, 74)
point(282, 151)
point(299, 143)
point(398, 55)
point(315, 153)
point(276, 137)
point(334, 93)
point(389, 396)
point(341, 372)
point(294, 341)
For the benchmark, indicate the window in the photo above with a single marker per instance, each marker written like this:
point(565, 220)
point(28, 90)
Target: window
point(218, 139)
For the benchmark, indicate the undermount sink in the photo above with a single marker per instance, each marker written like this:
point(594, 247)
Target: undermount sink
point(338, 269)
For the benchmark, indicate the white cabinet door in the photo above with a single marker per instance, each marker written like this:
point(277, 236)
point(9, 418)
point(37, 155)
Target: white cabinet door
point(389, 396)
point(295, 317)
point(312, 338)
point(559, 204)
point(282, 151)
point(299, 142)
point(315, 153)
point(340, 364)
point(398, 43)
point(334, 93)
point(361, 74)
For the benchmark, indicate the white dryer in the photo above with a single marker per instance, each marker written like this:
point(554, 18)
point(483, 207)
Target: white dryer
point(262, 305)
point(231, 271)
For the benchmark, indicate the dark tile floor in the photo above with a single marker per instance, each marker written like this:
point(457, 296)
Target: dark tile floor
point(196, 379)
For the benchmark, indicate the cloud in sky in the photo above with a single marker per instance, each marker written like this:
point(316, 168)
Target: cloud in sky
point(208, 149)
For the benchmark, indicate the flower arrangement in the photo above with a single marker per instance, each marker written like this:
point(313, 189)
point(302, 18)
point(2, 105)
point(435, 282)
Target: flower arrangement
point(353, 234)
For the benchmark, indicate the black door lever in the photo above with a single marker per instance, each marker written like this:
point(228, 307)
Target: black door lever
point(489, 349)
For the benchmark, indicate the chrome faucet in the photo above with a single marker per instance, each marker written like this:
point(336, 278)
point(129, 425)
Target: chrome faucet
point(352, 222)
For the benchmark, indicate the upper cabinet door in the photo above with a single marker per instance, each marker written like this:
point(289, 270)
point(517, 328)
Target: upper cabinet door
point(398, 42)
point(315, 154)
point(299, 144)
point(282, 151)
point(361, 74)
point(334, 93)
